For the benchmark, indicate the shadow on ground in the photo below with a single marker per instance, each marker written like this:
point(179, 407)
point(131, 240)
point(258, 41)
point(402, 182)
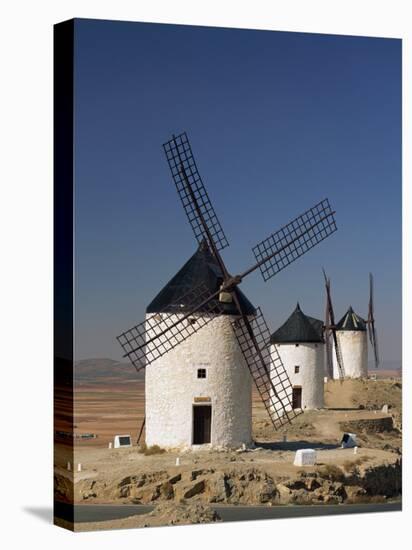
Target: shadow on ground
point(44, 513)
point(342, 409)
point(295, 445)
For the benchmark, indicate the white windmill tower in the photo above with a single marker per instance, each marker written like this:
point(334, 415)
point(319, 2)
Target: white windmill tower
point(300, 344)
point(202, 340)
point(352, 336)
point(350, 344)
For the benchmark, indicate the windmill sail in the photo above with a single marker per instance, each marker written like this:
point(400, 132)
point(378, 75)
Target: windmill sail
point(328, 343)
point(330, 329)
point(191, 190)
point(371, 323)
point(295, 239)
point(266, 368)
point(159, 334)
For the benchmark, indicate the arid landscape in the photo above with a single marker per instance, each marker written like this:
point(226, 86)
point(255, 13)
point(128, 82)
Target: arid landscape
point(264, 475)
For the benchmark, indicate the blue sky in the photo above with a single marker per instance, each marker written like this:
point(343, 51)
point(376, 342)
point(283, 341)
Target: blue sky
point(277, 121)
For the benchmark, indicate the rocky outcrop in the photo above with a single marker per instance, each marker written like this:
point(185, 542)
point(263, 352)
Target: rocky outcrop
point(194, 489)
point(252, 486)
point(383, 480)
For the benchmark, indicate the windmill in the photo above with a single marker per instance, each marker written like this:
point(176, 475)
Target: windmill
point(160, 334)
point(349, 338)
point(300, 342)
point(332, 344)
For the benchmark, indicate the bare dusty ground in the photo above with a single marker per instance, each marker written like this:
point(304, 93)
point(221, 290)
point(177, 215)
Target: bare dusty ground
point(163, 514)
point(109, 409)
point(262, 475)
point(112, 465)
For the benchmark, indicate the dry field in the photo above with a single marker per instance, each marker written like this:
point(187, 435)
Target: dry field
point(108, 409)
point(116, 406)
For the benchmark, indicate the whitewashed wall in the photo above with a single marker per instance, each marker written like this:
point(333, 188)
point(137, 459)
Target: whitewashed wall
point(310, 357)
point(354, 348)
point(172, 385)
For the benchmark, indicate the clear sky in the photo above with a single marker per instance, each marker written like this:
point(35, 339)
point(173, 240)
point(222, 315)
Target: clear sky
point(277, 121)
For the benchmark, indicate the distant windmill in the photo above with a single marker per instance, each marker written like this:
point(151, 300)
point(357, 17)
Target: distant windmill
point(169, 342)
point(350, 347)
point(300, 342)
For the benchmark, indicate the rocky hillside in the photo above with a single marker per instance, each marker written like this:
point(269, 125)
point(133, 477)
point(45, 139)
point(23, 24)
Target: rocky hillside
point(354, 481)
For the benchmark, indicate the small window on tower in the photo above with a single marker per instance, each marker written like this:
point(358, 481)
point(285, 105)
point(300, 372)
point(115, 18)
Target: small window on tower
point(297, 368)
point(296, 345)
point(201, 373)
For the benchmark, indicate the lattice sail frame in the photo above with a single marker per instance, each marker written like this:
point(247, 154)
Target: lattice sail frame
point(371, 323)
point(338, 353)
point(161, 332)
point(295, 239)
point(179, 156)
point(267, 370)
point(328, 343)
point(331, 331)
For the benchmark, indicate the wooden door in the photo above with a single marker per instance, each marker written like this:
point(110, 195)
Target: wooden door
point(297, 397)
point(202, 423)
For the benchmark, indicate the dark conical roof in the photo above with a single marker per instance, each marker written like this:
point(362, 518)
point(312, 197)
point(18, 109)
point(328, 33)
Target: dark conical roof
point(317, 325)
point(351, 321)
point(299, 328)
point(201, 268)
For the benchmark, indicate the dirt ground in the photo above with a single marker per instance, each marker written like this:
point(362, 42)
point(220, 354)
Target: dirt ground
point(115, 475)
point(163, 514)
point(117, 407)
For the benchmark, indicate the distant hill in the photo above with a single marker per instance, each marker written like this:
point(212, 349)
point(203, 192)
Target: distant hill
point(391, 368)
point(95, 370)
point(387, 369)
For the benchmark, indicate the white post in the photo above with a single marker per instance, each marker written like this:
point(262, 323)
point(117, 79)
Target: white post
point(110, 444)
point(69, 466)
point(177, 461)
point(355, 450)
point(79, 467)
